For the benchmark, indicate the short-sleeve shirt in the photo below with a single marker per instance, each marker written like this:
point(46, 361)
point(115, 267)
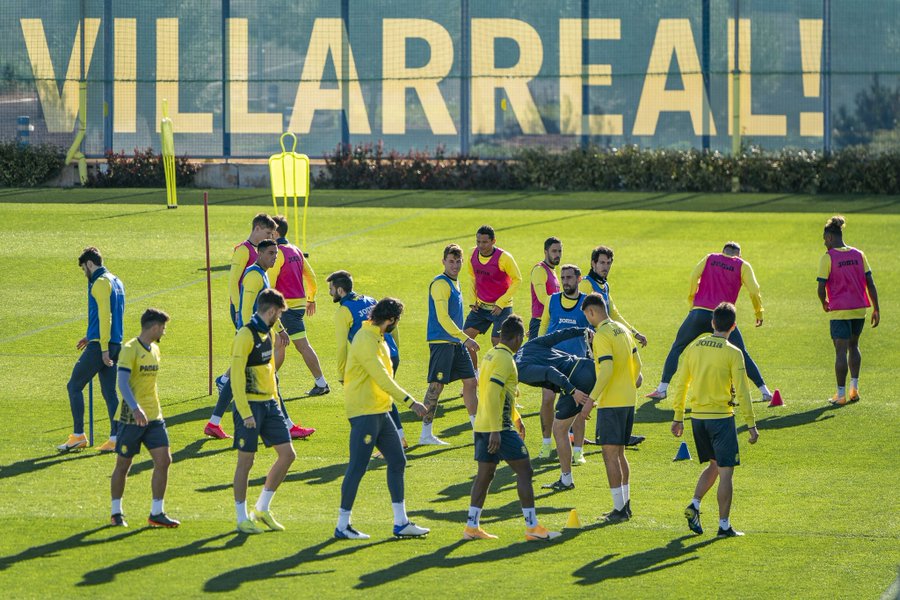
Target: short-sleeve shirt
point(143, 364)
point(497, 387)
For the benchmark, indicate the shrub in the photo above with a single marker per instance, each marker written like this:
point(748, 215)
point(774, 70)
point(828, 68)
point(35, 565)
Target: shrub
point(28, 165)
point(143, 169)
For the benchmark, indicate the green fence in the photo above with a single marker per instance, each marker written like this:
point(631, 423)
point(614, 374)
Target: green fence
point(474, 76)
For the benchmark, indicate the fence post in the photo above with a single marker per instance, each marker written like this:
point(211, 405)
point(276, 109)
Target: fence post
point(736, 95)
point(345, 74)
point(465, 74)
point(226, 86)
point(826, 93)
point(704, 67)
point(107, 76)
point(585, 66)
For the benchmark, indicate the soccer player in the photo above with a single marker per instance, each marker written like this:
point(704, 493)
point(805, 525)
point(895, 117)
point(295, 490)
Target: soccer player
point(100, 348)
point(244, 255)
point(447, 344)
point(618, 369)
point(140, 420)
point(717, 278)
point(257, 414)
point(496, 437)
point(355, 309)
point(292, 275)
point(254, 283)
point(369, 387)
point(544, 283)
point(597, 282)
point(494, 278)
point(845, 287)
point(711, 367)
point(564, 310)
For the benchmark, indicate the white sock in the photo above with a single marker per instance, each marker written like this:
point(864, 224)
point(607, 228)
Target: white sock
point(224, 378)
point(476, 374)
point(157, 506)
point(265, 499)
point(696, 503)
point(626, 491)
point(400, 432)
point(854, 382)
point(399, 509)
point(472, 420)
point(474, 519)
point(343, 519)
point(566, 478)
point(576, 449)
point(764, 389)
point(112, 438)
point(724, 524)
point(530, 517)
point(426, 429)
point(320, 381)
point(618, 498)
point(547, 441)
point(241, 510)
point(662, 387)
point(116, 506)
point(214, 420)
point(288, 422)
point(842, 390)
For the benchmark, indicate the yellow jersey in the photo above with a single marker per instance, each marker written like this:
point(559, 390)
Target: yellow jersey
point(252, 366)
point(143, 365)
point(498, 381)
point(369, 382)
point(618, 365)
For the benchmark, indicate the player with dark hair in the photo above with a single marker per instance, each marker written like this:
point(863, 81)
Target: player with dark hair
point(717, 278)
point(544, 283)
point(369, 388)
point(494, 278)
point(262, 228)
point(257, 414)
point(846, 286)
point(618, 367)
point(447, 344)
point(292, 275)
point(496, 437)
point(597, 282)
point(354, 310)
point(712, 367)
point(140, 421)
point(100, 348)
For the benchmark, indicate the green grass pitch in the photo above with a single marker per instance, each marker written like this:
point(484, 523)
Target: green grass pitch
point(817, 496)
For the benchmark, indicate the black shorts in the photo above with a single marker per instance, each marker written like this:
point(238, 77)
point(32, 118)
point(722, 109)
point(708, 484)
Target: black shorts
point(566, 408)
point(512, 447)
point(129, 437)
point(614, 425)
point(395, 363)
point(481, 319)
point(534, 327)
point(449, 362)
point(716, 439)
point(844, 329)
point(292, 319)
point(270, 426)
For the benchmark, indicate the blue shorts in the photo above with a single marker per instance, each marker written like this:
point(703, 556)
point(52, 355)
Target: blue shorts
point(534, 327)
point(270, 426)
point(292, 319)
point(512, 447)
point(844, 329)
point(614, 425)
point(481, 319)
point(566, 408)
point(716, 439)
point(449, 362)
point(129, 437)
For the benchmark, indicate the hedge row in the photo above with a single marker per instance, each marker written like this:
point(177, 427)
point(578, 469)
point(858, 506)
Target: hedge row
point(28, 166)
point(848, 171)
point(142, 169)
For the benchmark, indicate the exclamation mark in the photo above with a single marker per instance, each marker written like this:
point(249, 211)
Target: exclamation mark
point(811, 123)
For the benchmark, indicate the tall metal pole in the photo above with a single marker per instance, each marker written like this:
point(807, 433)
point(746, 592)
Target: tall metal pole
point(465, 75)
point(585, 62)
point(826, 92)
point(108, 67)
point(736, 96)
point(226, 85)
point(345, 74)
point(704, 67)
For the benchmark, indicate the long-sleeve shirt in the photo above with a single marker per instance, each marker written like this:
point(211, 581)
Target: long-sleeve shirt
point(252, 366)
point(618, 365)
point(369, 382)
point(308, 276)
point(139, 364)
point(442, 291)
point(497, 384)
point(508, 265)
point(106, 308)
point(241, 258)
point(593, 284)
point(747, 278)
point(541, 365)
point(709, 367)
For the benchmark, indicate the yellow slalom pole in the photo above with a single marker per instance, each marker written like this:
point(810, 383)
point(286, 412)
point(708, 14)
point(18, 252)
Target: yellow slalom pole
point(167, 137)
point(75, 153)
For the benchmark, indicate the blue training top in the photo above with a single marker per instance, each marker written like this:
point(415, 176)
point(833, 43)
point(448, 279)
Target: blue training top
point(116, 307)
point(435, 331)
point(562, 318)
point(360, 308)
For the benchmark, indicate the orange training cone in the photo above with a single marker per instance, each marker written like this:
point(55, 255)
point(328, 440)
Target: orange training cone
point(776, 399)
point(574, 522)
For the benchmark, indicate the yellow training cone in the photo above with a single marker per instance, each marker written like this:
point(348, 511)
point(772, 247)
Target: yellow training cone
point(574, 522)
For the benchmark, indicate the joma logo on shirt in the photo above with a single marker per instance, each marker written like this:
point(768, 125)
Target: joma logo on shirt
point(482, 272)
point(710, 343)
point(720, 264)
point(848, 263)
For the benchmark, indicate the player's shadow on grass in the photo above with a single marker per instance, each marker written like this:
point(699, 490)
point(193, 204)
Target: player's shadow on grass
point(321, 475)
point(649, 412)
point(793, 419)
point(504, 480)
point(143, 561)
point(189, 452)
point(77, 542)
point(673, 554)
point(267, 571)
point(442, 559)
point(201, 413)
point(32, 465)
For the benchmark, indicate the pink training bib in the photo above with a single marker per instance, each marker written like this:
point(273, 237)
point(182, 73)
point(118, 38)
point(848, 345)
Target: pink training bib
point(552, 287)
point(846, 285)
point(720, 281)
point(490, 281)
point(290, 278)
point(252, 255)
